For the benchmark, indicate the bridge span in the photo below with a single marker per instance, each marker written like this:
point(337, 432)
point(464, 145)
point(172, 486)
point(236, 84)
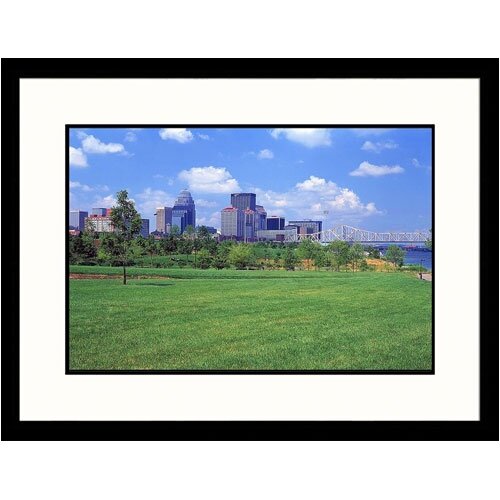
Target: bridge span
point(355, 235)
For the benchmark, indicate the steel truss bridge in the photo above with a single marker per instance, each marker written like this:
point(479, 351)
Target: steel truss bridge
point(355, 235)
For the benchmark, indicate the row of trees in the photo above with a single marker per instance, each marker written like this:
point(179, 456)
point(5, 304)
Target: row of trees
point(124, 247)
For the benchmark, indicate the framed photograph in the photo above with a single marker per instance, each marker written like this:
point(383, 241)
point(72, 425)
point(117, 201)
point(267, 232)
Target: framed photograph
point(248, 251)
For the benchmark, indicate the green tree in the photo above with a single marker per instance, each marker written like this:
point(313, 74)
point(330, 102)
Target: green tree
point(127, 225)
point(175, 231)
point(307, 250)
point(204, 258)
point(241, 256)
point(289, 259)
point(395, 255)
point(356, 255)
point(373, 253)
point(81, 248)
point(339, 251)
point(320, 257)
point(151, 246)
point(110, 250)
point(428, 242)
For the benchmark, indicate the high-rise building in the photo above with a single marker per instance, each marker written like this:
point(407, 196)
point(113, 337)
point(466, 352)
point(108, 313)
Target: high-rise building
point(145, 228)
point(99, 223)
point(232, 222)
point(248, 225)
point(184, 211)
point(260, 217)
point(242, 201)
point(163, 219)
point(98, 211)
point(77, 219)
point(307, 226)
point(275, 223)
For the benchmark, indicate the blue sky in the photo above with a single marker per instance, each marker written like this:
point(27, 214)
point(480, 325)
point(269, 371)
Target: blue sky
point(377, 179)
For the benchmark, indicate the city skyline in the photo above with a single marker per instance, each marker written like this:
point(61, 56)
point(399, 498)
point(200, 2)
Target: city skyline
point(377, 179)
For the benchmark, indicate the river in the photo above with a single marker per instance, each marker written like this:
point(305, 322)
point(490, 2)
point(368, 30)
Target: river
point(416, 256)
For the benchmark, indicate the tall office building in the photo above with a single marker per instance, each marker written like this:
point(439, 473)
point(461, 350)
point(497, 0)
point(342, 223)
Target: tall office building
point(163, 219)
point(275, 223)
point(260, 217)
point(232, 222)
point(184, 211)
point(248, 225)
point(307, 226)
point(242, 201)
point(99, 223)
point(77, 219)
point(145, 228)
point(98, 211)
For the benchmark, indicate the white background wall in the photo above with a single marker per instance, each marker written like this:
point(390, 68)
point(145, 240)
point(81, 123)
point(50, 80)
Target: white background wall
point(253, 470)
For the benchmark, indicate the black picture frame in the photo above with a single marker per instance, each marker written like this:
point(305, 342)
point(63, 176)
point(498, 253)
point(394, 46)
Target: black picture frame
point(486, 428)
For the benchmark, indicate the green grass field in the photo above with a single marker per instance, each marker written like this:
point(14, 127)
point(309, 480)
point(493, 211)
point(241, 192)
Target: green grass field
point(243, 320)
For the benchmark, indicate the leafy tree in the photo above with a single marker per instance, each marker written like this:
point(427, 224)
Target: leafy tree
point(373, 253)
point(110, 250)
point(339, 251)
point(127, 225)
point(320, 258)
point(151, 246)
point(81, 248)
point(175, 231)
point(168, 245)
point(289, 259)
point(241, 256)
point(189, 232)
point(307, 250)
point(204, 258)
point(428, 242)
point(395, 255)
point(356, 254)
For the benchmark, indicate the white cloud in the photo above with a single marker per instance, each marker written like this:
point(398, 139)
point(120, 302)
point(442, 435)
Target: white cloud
point(415, 163)
point(209, 180)
point(312, 197)
point(317, 184)
point(363, 132)
point(181, 135)
point(265, 154)
point(212, 220)
point(366, 169)
point(104, 202)
point(205, 203)
point(92, 145)
point(149, 199)
point(86, 188)
point(377, 147)
point(205, 137)
point(130, 137)
point(77, 157)
point(309, 137)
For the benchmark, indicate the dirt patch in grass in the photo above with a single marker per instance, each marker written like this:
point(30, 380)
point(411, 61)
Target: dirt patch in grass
point(82, 276)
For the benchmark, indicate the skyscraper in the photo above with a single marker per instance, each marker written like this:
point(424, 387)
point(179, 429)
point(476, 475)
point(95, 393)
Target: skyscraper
point(145, 228)
point(260, 217)
point(163, 219)
point(242, 201)
point(184, 211)
point(275, 222)
point(98, 211)
point(248, 225)
point(232, 222)
point(77, 219)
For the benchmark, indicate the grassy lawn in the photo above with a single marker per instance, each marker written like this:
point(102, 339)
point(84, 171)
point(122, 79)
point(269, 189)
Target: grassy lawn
point(237, 320)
